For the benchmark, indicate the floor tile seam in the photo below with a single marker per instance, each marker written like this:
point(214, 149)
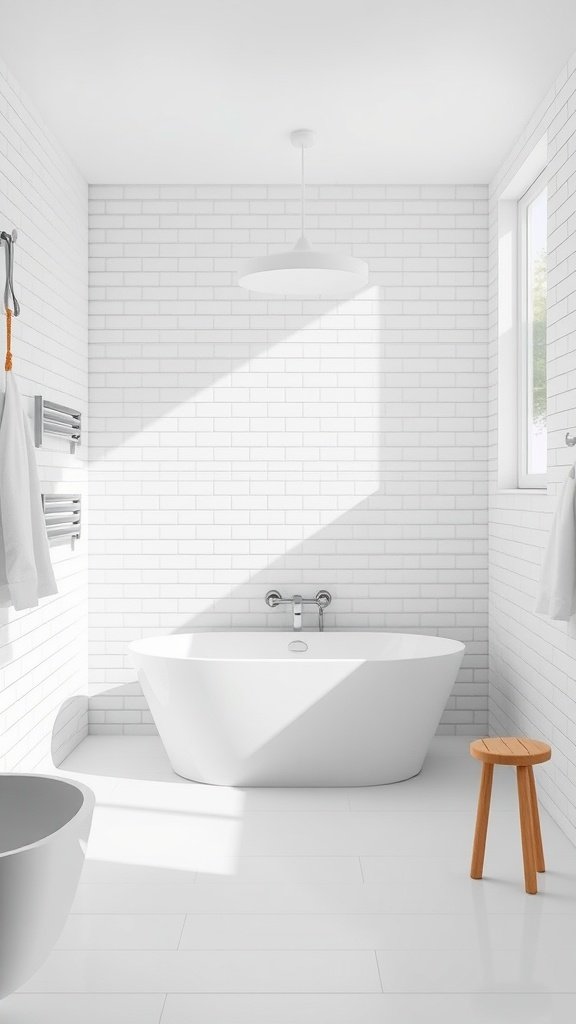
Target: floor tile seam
point(470, 811)
point(21, 994)
point(379, 971)
point(385, 950)
point(298, 856)
point(205, 887)
point(182, 930)
point(495, 991)
point(230, 992)
point(281, 856)
point(163, 1007)
point(381, 996)
point(284, 949)
point(326, 913)
point(224, 995)
point(120, 949)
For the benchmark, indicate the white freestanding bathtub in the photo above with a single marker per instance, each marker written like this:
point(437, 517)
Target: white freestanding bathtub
point(297, 709)
point(44, 828)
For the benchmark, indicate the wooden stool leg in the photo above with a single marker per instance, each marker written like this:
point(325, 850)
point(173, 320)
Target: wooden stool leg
point(527, 828)
point(482, 821)
point(539, 849)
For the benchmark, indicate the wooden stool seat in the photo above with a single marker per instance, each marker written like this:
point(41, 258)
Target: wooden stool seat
point(515, 750)
point(522, 753)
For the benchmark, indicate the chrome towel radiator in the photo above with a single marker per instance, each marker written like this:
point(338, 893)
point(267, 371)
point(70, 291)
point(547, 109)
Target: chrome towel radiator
point(63, 517)
point(50, 418)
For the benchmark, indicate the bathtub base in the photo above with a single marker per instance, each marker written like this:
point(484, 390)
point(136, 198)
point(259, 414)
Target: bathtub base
point(288, 782)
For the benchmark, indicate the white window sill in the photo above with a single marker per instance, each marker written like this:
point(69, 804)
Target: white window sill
point(522, 490)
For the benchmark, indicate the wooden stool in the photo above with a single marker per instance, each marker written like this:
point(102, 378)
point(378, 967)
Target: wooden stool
point(522, 754)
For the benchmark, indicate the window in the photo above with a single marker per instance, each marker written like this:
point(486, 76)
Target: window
point(531, 362)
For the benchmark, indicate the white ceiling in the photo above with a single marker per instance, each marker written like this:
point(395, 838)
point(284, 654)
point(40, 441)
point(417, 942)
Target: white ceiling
point(189, 91)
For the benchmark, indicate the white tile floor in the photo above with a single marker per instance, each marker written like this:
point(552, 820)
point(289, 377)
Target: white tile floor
point(221, 906)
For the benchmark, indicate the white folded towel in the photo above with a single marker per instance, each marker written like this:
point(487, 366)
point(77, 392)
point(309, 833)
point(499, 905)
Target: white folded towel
point(26, 572)
point(557, 591)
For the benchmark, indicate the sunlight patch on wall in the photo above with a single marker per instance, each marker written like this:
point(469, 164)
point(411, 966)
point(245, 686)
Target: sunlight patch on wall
point(251, 452)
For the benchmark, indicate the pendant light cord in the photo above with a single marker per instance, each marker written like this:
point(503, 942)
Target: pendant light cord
point(302, 192)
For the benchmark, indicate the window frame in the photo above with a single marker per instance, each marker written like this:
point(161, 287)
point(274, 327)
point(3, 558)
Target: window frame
point(536, 481)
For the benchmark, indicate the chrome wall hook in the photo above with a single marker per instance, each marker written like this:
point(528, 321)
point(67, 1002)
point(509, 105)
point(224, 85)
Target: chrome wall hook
point(570, 440)
point(8, 241)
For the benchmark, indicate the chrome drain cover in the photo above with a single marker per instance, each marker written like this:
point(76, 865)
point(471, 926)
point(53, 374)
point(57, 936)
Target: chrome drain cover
point(297, 645)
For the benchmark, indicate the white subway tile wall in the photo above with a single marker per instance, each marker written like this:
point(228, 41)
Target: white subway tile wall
point(43, 656)
point(241, 442)
point(533, 660)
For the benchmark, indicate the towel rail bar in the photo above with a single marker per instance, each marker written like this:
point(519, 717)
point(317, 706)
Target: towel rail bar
point(63, 516)
point(51, 418)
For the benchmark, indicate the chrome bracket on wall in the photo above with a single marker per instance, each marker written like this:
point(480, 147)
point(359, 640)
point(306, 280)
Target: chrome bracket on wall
point(8, 239)
point(50, 418)
point(62, 515)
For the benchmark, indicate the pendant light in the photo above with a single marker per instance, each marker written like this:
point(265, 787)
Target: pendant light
point(302, 270)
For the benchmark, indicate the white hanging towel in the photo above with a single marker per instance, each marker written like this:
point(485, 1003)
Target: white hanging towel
point(557, 591)
point(26, 572)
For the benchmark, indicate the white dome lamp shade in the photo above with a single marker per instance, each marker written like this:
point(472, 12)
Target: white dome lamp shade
point(302, 270)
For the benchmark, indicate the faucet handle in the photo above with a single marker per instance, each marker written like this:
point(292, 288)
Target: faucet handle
point(273, 597)
point(323, 598)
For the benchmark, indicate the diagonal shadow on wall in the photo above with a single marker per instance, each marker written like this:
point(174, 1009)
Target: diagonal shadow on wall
point(374, 529)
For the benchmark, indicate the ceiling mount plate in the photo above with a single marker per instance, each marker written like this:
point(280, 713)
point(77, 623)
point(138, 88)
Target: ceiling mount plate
point(303, 138)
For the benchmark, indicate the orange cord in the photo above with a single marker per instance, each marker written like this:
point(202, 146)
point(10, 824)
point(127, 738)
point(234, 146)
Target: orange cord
point(8, 363)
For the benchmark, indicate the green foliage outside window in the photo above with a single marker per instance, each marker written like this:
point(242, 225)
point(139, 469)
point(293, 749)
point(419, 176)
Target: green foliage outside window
point(539, 339)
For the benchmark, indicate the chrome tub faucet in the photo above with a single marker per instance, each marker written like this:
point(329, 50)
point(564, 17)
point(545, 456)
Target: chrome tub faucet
point(321, 601)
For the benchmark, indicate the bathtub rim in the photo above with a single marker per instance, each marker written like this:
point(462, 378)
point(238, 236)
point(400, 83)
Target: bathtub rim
point(141, 648)
point(86, 807)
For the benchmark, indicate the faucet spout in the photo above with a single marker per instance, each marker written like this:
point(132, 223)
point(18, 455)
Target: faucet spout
point(321, 601)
